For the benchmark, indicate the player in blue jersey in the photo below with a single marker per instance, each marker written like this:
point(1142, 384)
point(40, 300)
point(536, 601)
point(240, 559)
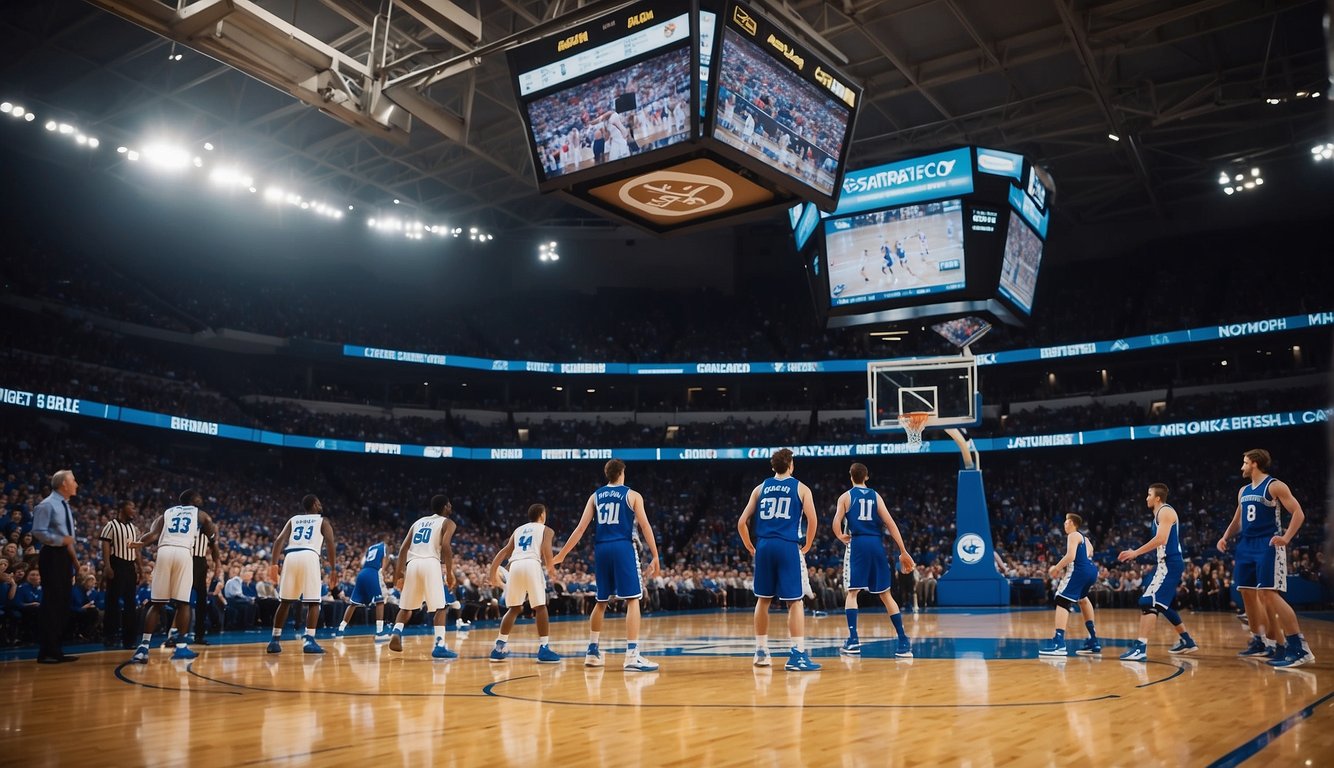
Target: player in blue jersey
point(1261, 568)
point(779, 506)
point(888, 267)
point(615, 562)
point(1161, 591)
point(368, 590)
point(859, 522)
point(1073, 588)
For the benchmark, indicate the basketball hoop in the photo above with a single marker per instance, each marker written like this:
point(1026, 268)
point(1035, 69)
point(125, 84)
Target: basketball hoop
point(913, 423)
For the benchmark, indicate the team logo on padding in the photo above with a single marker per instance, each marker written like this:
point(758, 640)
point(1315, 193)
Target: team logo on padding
point(970, 548)
point(672, 193)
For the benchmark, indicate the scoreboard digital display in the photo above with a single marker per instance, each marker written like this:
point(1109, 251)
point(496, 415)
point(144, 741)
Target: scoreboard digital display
point(779, 104)
point(913, 250)
point(609, 90)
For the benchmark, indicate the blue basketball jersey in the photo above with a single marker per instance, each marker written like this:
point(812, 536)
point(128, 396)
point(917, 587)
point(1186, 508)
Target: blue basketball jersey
point(374, 557)
point(1171, 551)
point(862, 518)
point(616, 520)
point(1259, 511)
point(778, 510)
point(1082, 563)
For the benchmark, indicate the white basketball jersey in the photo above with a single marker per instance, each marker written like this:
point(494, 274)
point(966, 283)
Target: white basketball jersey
point(426, 534)
point(307, 533)
point(528, 542)
point(180, 527)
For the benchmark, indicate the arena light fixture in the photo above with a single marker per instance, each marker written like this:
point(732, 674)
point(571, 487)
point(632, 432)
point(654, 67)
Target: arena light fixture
point(1322, 151)
point(29, 117)
point(6, 107)
point(18, 111)
point(166, 157)
point(1113, 137)
point(51, 125)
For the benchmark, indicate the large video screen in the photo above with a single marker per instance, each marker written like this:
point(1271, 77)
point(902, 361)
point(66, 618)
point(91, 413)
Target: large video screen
point(617, 115)
point(908, 251)
point(773, 114)
point(1019, 266)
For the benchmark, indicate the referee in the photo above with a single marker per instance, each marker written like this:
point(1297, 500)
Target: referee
point(203, 545)
point(122, 564)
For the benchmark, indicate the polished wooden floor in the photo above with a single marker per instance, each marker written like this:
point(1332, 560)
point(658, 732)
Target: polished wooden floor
point(976, 694)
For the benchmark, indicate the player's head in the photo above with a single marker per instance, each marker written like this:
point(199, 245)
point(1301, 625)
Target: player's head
point(190, 498)
point(1256, 459)
point(781, 461)
point(614, 470)
point(858, 472)
point(537, 513)
point(1073, 522)
point(1157, 495)
point(311, 503)
point(440, 504)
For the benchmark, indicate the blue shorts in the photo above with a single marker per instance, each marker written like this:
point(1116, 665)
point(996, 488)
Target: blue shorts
point(1259, 565)
point(778, 569)
point(1076, 584)
point(865, 565)
point(1161, 591)
point(366, 590)
point(616, 570)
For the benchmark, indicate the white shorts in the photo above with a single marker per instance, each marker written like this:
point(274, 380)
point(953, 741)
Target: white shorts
point(525, 581)
point(423, 580)
point(300, 577)
point(173, 575)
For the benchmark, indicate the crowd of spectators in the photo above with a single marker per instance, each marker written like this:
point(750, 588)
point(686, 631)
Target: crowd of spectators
point(693, 508)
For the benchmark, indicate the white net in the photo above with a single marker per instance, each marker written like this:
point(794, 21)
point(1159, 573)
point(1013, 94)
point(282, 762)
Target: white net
point(914, 424)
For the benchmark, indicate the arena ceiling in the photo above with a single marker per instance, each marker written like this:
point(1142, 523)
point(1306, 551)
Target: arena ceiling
point(1185, 85)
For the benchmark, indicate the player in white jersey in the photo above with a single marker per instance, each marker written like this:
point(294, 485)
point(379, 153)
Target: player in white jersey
point(528, 552)
point(173, 575)
point(418, 576)
point(298, 547)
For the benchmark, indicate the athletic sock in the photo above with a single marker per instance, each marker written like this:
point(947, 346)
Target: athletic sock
point(799, 643)
point(897, 619)
point(309, 634)
point(631, 650)
point(852, 623)
point(342, 626)
point(593, 637)
point(543, 640)
point(1060, 636)
point(1092, 634)
point(762, 643)
point(147, 638)
point(399, 627)
point(502, 639)
point(379, 627)
point(277, 632)
point(439, 635)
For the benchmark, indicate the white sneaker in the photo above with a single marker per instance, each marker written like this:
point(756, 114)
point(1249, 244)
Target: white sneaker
point(762, 658)
point(593, 658)
point(638, 663)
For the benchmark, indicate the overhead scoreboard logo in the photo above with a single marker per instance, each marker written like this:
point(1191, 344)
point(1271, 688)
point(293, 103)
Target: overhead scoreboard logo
point(675, 194)
point(971, 548)
point(744, 20)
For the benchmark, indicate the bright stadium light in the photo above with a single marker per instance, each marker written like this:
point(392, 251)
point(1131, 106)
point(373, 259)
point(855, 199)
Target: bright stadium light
point(29, 117)
point(6, 107)
point(1322, 151)
point(166, 157)
point(93, 143)
point(18, 111)
point(65, 129)
point(81, 139)
point(51, 125)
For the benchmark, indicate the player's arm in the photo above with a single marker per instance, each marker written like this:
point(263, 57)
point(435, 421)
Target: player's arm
point(906, 563)
point(841, 512)
point(330, 551)
point(279, 544)
point(808, 509)
point(504, 554)
point(1283, 495)
point(210, 529)
point(579, 529)
point(1232, 527)
point(402, 561)
point(1071, 547)
point(548, 559)
point(447, 553)
point(217, 554)
point(641, 517)
point(153, 534)
point(743, 524)
point(1165, 522)
point(107, 570)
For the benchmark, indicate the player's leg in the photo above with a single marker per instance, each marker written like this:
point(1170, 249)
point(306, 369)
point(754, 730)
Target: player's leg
point(765, 588)
point(1298, 652)
point(150, 626)
point(1256, 613)
point(633, 660)
point(791, 585)
point(379, 619)
point(852, 646)
point(501, 650)
point(1091, 645)
point(347, 618)
point(544, 653)
point(1056, 645)
point(593, 656)
point(308, 644)
point(279, 619)
point(903, 649)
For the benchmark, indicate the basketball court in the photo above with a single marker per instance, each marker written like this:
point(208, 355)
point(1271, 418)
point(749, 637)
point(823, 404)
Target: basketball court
point(976, 677)
point(855, 250)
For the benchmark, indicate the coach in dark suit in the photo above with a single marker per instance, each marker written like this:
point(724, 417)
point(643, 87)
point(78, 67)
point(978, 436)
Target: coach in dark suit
point(53, 526)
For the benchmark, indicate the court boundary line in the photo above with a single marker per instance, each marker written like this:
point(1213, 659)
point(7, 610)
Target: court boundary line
point(1254, 746)
point(405, 694)
point(120, 675)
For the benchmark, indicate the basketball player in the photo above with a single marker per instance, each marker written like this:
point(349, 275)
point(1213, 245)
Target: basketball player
point(418, 576)
point(866, 259)
point(1161, 591)
point(528, 552)
point(615, 564)
point(864, 563)
point(368, 591)
point(1073, 588)
point(780, 565)
point(902, 252)
point(299, 546)
point(1261, 568)
point(923, 250)
point(888, 267)
point(174, 532)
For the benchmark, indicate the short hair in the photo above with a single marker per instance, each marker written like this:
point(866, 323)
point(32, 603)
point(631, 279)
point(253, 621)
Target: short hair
point(188, 497)
point(1076, 519)
point(859, 472)
point(1159, 490)
point(1259, 457)
point(309, 501)
point(125, 504)
point(438, 503)
point(536, 511)
point(59, 478)
point(781, 460)
point(614, 469)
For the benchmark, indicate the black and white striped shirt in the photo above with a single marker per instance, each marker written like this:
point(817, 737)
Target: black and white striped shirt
point(120, 535)
point(201, 545)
